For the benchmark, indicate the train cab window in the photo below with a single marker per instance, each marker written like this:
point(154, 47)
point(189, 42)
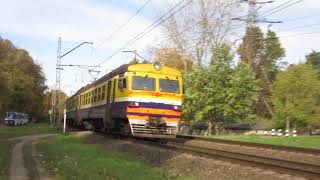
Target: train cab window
point(171, 86)
point(143, 83)
point(122, 84)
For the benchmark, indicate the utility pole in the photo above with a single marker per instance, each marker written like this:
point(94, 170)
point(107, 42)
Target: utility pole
point(252, 16)
point(54, 97)
point(57, 95)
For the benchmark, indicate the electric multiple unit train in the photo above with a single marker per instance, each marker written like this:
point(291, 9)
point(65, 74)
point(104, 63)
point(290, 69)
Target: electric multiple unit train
point(141, 100)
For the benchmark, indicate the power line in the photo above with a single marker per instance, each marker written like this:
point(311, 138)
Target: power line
point(300, 27)
point(124, 24)
point(149, 28)
point(303, 17)
point(275, 11)
point(275, 8)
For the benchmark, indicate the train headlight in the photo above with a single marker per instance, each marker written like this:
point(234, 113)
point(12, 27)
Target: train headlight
point(157, 65)
point(133, 104)
point(177, 108)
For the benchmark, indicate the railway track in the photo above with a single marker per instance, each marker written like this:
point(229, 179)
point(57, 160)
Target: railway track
point(285, 166)
point(304, 169)
point(182, 138)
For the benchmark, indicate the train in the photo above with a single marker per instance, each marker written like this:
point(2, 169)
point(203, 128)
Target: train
point(140, 100)
point(16, 119)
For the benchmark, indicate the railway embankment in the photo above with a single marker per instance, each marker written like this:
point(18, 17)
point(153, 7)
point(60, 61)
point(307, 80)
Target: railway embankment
point(178, 162)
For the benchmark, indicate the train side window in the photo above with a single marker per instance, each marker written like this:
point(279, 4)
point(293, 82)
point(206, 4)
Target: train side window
point(122, 84)
point(99, 94)
point(95, 96)
point(103, 92)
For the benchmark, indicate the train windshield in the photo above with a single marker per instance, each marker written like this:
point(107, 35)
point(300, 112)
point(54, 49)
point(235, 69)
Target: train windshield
point(143, 83)
point(171, 86)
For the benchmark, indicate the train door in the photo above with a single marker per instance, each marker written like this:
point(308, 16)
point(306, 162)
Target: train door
point(76, 119)
point(107, 118)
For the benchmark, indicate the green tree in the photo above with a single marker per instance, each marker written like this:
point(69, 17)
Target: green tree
point(294, 95)
point(314, 59)
point(262, 54)
point(219, 93)
point(22, 81)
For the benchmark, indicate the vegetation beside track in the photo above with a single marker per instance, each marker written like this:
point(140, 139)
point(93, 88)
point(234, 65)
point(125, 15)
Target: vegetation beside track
point(5, 157)
point(7, 145)
point(72, 158)
point(299, 141)
point(16, 131)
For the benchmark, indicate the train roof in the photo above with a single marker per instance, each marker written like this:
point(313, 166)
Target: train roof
point(131, 68)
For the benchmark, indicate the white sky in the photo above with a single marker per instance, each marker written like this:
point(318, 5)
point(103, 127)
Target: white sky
point(36, 25)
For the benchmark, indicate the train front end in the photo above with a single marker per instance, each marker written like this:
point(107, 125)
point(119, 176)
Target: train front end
point(154, 100)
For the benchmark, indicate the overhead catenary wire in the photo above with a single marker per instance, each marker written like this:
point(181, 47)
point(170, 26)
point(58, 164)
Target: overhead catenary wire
point(277, 10)
point(155, 24)
point(264, 14)
point(123, 25)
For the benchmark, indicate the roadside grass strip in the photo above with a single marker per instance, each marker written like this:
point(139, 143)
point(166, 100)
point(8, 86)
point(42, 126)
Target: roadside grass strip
point(7, 145)
point(16, 131)
point(72, 158)
point(5, 157)
point(299, 141)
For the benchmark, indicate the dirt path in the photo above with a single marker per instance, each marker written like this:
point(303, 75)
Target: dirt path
point(17, 169)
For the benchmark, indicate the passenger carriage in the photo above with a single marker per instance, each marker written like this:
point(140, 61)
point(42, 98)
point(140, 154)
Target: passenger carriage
point(142, 100)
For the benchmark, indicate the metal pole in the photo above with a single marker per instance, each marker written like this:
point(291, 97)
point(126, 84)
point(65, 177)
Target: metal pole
point(64, 120)
point(59, 76)
point(54, 99)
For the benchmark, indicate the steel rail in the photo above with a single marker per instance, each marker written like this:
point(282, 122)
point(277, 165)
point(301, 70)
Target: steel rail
point(279, 165)
point(182, 138)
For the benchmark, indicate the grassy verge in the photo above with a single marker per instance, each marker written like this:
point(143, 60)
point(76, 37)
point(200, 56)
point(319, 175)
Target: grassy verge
point(6, 145)
point(5, 157)
point(300, 141)
point(72, 158)
point(15, 131)
point(29, 162)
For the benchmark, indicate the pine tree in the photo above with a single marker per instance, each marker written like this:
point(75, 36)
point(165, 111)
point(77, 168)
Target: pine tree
point(262, 55)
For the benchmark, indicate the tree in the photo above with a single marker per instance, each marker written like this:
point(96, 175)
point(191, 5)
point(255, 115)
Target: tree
point(200, 27)
point(314, 59)
point(22, 81)
point(294, 95)
point(172, 58)
point(263, 55)
point(219, 93)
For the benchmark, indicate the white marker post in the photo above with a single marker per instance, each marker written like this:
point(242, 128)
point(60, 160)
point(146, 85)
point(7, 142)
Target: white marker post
point(64, 120)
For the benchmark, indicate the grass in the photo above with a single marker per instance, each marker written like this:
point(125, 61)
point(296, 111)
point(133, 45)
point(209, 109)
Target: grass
point(6, 145)
point(72, 158)
point(299, 141)
point(5, 157)
point(15, 131)
point(29, 163)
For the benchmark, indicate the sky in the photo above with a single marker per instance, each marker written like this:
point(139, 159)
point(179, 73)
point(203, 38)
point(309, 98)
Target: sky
point(35, 25)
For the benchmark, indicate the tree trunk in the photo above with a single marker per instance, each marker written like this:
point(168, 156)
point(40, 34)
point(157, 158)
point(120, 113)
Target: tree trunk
point(210, 127)
point(216, 128)
point(288, 124)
